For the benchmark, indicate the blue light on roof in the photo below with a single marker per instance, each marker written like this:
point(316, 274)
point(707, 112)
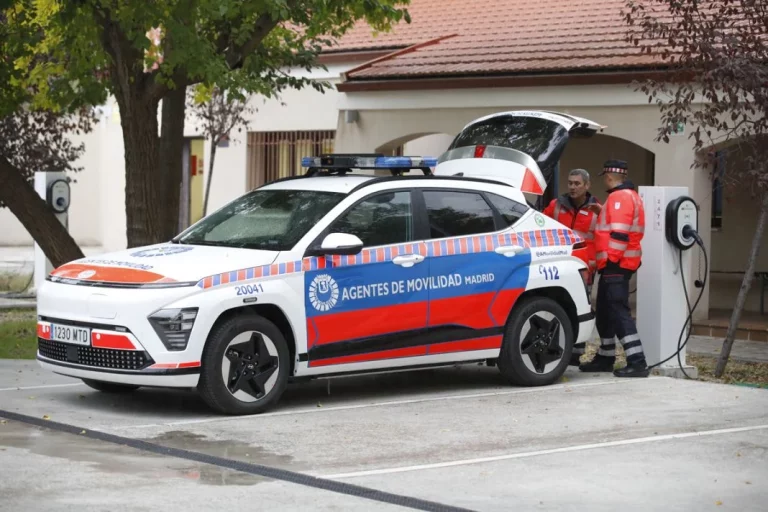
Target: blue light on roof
point(406, 161)
point(367, 162)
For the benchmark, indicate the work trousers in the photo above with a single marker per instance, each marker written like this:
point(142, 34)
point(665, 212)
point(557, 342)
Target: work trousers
point(614, 318)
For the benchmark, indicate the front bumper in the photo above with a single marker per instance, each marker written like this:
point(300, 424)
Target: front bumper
point(112, 354)
point(114, 340)
point(184, 378)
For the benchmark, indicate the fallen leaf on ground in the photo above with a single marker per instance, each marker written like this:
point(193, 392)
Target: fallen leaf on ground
point(46, 417)
point(718, 502)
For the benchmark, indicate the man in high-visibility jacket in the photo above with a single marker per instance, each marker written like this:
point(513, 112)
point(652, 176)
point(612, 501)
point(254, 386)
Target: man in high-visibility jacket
point(578, 209)
point(620, 228)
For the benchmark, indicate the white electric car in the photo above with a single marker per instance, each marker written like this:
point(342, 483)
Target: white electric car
point(340, 271)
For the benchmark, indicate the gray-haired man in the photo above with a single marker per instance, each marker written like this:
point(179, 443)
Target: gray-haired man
point(578, 210)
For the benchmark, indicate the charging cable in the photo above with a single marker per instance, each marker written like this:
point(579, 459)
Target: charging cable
point(688, 232)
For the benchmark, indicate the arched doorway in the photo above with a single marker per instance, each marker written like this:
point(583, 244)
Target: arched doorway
point(417, 144)
point(591, 153)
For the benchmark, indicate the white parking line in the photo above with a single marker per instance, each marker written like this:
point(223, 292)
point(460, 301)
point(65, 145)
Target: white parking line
point(554, 387)
point(23, 388)
point(637, 440)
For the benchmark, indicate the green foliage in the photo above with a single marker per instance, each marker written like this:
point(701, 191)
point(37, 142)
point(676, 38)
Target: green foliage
point(40, 102)
point(18, 334)
point(234, 44)
point(36, 69)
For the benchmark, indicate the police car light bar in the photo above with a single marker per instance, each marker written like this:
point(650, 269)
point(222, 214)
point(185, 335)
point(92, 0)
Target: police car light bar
point(368, 162)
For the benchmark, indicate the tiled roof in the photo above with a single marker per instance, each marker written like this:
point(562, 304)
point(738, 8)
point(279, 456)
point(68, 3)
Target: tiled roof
point(423, 27)
point(502, 37)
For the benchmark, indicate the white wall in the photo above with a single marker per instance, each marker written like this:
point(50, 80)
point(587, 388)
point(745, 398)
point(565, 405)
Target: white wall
point(86, 220)
point(304, 109)
point(428, 145)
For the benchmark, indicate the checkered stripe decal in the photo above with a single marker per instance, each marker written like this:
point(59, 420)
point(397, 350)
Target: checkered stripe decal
point(465, 245)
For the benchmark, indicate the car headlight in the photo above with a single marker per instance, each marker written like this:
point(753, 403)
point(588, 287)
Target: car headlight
point(173, 326)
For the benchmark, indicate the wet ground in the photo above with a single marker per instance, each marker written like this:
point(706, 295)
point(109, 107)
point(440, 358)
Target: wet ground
point(426, 440)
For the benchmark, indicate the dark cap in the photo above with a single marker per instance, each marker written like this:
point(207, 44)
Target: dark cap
point(616, 166)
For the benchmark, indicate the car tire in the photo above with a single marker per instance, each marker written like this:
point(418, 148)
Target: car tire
point(254, 354)
point(110, 387)
point(529, 324)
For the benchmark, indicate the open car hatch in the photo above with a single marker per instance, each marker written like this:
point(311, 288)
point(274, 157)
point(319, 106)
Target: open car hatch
point(520, 147)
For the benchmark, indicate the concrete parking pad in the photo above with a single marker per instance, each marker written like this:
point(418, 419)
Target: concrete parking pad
point(686, 474)
point(72, 473)
point(459, 437)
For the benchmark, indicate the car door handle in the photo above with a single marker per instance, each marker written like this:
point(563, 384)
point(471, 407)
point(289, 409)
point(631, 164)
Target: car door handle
point(408, 260)
point(509, 250)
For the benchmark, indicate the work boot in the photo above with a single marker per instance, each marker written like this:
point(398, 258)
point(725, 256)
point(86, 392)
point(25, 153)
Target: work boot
point(598, 364)
point(633, 370)
point(575, 360)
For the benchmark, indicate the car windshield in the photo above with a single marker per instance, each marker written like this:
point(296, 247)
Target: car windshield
point(273, 220)
point(539, 138)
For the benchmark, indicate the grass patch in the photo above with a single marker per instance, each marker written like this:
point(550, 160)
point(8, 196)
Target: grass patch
point(14, 282)
point(736, 372)
point(18, 334)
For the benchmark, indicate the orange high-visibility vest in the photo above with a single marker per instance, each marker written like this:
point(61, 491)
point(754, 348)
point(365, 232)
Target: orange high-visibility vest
point(620, 228)
point(581, 220)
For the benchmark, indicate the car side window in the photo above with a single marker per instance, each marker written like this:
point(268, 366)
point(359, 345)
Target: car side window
point(383, 219)
point(509, 209)
point(453, 213)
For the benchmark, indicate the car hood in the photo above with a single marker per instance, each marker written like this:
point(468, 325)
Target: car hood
point(161, 264)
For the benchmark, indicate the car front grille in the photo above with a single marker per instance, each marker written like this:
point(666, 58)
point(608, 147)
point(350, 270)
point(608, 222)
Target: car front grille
point(94, 357)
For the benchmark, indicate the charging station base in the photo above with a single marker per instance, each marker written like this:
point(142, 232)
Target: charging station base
point(661, 299)
point(675, 372)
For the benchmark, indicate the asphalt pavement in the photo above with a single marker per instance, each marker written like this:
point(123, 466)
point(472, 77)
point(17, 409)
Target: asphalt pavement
point(445, 439)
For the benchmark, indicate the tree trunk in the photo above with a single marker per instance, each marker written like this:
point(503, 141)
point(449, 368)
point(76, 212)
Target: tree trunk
point(214, 143)
point(744, 290)
point(172, 151)
point(143, 195)
point(36, 217)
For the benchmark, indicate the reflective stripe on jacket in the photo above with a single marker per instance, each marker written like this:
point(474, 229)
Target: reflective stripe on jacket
point(581, 220)
point(620, 228)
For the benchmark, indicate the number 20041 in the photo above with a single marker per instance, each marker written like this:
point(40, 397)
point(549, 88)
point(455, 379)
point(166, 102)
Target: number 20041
point(249, 289)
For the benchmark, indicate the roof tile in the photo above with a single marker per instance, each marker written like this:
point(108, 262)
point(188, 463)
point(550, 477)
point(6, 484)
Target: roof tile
point(502, 36)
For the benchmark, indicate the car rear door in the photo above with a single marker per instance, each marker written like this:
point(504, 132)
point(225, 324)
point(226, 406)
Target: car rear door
point(476, 270)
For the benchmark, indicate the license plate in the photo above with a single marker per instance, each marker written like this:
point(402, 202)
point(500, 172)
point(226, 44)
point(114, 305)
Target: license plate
point(70, 334)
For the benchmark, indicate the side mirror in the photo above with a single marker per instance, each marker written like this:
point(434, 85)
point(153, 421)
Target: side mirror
point(340, 243)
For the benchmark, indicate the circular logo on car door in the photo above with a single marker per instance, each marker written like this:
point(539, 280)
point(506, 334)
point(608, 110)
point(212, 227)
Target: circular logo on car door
point(539, 219)
point(323, 292)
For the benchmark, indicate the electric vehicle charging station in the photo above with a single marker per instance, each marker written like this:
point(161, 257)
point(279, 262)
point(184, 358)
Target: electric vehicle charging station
point(663, 307)
point(54, 188)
